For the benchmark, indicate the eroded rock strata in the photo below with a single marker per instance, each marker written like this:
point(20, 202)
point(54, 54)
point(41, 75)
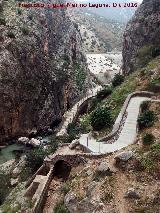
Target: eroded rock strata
point(42, 68)
point(142, 36)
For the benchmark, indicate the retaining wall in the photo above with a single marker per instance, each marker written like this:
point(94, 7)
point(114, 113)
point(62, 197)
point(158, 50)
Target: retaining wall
point(118, 122)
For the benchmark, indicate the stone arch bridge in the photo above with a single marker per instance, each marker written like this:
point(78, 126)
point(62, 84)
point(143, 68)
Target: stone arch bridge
point(55, 165)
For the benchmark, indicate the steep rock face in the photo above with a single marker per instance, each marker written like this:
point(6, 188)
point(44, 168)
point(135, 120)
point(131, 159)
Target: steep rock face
point(143, 31)
point(42, 68)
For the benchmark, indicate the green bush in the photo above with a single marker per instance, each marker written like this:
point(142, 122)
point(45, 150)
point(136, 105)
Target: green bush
point(80, 76)
point(34, 158)
point(147, 164)
point(52, 145)
point(148, 139)
point(100, 118)
point(85, 124)
point(154, 85)
point(30, 17)
point(155, 52)
point(25, 174)
point(60, 208)
point(117, 80)
point(145, 54)
point(25, 30)
point(72, 129)
point(104, 93)
point(156, 150)
point(94, 103)
point(65, 188)
point(11, 34)
point(146, 119)
point(4, 186)
point(19, 11)
point(145, 106)
point(2, 21)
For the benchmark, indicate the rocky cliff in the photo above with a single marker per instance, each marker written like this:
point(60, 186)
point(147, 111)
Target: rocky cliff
point(142, 36)
point(42, 68)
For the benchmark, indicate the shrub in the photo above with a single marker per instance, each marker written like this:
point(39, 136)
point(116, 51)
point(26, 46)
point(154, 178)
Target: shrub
point(65, 189)
point(69, 138)
point(11, 34)
point(100, 118)
point(60, 208)
point(34, 158)
point(156, 150)
point(148, 139)
point(94, 103)
point(30, 17)
point(85, 124)
point(155, 52)
point(80, 76)
point(146, 119)
point(25, 174)
point(144, 55)
point(19, 11)
point(117, 80)
point(4, 186)
point(1, 8)
point(2, 21)
point(72, 129)
point(96, 177)
point(154, 85)
point(25, 30)
point(145, 106)
point(147, 163)
point(52, 145)
point(104, 93)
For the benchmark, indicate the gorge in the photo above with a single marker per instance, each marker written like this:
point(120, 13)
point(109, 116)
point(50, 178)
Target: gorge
point(103, 117)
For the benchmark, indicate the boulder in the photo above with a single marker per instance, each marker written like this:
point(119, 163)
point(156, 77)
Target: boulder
point(87, 205)
point(7, 166)
point(90, 206)
point(34, 142)
point(74, 144)
point(124, 156)
point(71, 202)
point(19, 166)
point(23, 140)
point(131, 193)
point(103, 169)
point(91, 191)
point(14, 182)
point(16, 171)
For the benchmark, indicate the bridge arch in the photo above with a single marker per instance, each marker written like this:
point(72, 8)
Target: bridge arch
point(62, 169)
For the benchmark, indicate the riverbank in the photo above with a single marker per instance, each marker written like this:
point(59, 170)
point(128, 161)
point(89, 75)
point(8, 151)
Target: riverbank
point(8, 152)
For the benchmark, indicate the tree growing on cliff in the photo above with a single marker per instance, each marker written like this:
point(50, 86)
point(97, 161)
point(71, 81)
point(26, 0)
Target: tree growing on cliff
point(117, 80)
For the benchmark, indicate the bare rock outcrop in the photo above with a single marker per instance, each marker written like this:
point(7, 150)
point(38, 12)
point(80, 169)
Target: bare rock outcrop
point(42, 68)
point(141, 37)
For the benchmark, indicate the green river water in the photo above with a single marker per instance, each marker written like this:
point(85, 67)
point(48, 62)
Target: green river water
point(7, 152)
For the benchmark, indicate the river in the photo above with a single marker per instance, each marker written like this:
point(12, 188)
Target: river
point(7, 152)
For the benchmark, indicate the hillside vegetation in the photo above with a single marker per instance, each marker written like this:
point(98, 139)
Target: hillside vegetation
point(143, 79)
point(94, 34)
